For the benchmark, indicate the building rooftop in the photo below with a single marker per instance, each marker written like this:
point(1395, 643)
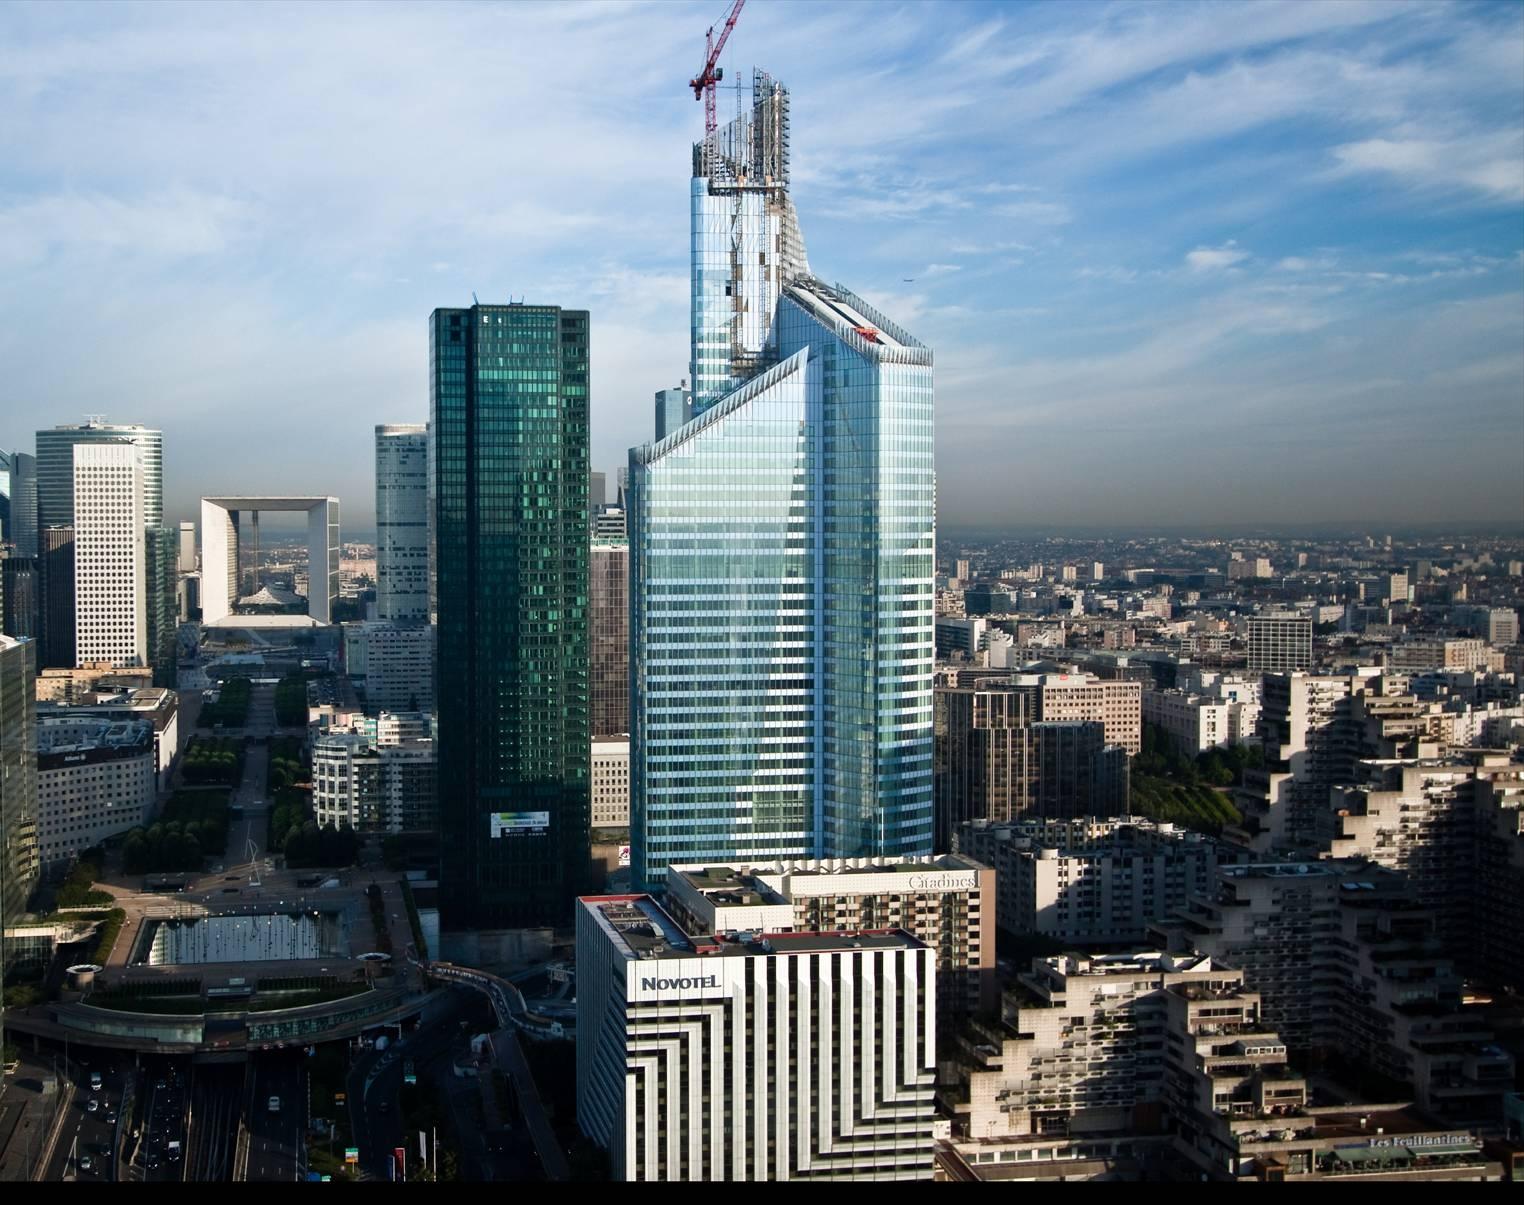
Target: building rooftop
point(645, 930)
point(80, 734)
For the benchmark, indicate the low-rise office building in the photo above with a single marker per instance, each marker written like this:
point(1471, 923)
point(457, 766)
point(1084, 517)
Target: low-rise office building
point(753, 1057)
point(157, 705)
point(95, 779)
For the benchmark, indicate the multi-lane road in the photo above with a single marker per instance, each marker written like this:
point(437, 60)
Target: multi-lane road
point(86, 1144)
point(277, 1141)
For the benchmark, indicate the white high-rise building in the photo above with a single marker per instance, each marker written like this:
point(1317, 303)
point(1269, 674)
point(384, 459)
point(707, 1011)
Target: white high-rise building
point(402, 522)
point(110, 556)
point(790, 1056)
point(186, 555)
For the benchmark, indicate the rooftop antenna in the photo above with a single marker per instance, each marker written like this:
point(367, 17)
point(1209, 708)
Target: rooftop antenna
point(473, 298)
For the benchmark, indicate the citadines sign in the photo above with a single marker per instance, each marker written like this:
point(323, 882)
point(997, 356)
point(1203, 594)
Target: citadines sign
point(961, 880)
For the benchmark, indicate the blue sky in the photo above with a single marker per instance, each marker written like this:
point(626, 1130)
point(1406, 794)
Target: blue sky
point(1178, 263)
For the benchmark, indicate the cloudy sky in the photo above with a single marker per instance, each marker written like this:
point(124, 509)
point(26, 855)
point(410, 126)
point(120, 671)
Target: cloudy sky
point(1178, 263)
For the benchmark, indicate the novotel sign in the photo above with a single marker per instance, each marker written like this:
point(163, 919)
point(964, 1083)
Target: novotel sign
point(650, 983)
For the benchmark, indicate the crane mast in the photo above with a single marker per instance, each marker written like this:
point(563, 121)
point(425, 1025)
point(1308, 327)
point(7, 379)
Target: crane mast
point(704, 82)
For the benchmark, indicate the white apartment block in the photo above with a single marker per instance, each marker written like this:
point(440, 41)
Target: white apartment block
point(95, 779)
point(759, 1057)
point(948, 902)
point(374, 785)
point(1090, 881)
point(1258, 567)
point(1085, 1041)
point(1107, 1066)
point(1345, 958)
point(1196, 723)
point(1498, 626)
point(1412, 656)
point(611, 783)
point(110, 555)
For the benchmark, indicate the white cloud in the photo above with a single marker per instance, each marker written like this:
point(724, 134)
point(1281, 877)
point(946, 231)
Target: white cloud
point(1215, 259)
point(1492, 164)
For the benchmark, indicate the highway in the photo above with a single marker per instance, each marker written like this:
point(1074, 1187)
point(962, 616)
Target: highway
point(277, 1138)
point(87, 1138)
point(164, 1088)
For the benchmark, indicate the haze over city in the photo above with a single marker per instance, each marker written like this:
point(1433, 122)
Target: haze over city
point(1257, 262)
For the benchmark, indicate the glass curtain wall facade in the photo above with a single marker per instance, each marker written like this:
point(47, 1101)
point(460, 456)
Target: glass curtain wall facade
point(18, 777)
point(609, 638)
point(55, 469)
point(508, 413)
point(781, 605)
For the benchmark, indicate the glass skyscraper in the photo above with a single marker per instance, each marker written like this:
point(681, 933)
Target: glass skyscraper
point(781, 566)
point(508, 410)
point(18, 777)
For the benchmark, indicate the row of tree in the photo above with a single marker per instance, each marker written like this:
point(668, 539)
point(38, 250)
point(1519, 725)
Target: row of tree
point(231, 709)
point(1219, 767)
point(192, 826)
point(216, 759)
point(291, 700)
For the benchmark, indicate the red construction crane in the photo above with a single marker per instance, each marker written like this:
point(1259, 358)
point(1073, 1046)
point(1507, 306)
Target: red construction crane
point(703, 83)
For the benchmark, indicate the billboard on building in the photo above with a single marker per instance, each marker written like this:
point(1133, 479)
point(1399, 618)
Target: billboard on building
point(519, 822)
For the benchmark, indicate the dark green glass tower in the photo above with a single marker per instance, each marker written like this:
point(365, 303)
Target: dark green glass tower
point(508, 406)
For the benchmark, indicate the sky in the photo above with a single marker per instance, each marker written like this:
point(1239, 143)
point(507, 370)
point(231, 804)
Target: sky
point(1178, 263)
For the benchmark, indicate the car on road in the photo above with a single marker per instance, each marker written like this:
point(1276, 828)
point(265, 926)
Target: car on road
point(92, 1105)
point(86, 1163)
point(110, 1118)
point(274, 1104)
point(95, 1081)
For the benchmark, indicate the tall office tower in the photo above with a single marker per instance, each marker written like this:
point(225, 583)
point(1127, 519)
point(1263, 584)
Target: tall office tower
point(160, 557)
point(18, 777)
point(185, 555)
point(608, 646)
point(1280, 642)
point(55, 468)
point(55, 596)
point(23, 503)
point(674, 407)
point(402, 523)
point(597, 487)
point(508, 411)
point(18, 597)
point(110, 555)
point(781, 572)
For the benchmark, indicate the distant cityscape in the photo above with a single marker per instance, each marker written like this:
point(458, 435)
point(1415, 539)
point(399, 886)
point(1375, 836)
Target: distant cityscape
point(723, 818)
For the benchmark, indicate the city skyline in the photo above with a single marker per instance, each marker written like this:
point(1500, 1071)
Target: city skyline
point(1282, 243)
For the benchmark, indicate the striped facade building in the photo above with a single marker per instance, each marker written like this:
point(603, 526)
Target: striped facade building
point(788, 1056)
